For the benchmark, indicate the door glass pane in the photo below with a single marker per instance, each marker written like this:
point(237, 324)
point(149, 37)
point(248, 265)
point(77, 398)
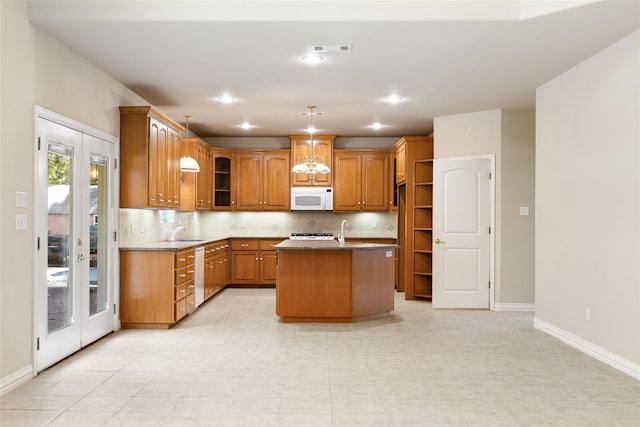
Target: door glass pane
point(60, 220)
point(98, 216)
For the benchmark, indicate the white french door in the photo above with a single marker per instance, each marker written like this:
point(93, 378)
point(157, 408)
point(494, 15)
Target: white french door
point(76, 252)
point(461, 231)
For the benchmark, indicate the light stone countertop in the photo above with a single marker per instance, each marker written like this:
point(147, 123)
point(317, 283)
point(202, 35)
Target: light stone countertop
point(329, 245)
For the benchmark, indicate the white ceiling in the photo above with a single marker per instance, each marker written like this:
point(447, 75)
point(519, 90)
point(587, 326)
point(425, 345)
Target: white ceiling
point(442, 57)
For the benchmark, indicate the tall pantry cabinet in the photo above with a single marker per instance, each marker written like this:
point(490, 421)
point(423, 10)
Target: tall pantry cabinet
point(149, 159)
point(414, 178)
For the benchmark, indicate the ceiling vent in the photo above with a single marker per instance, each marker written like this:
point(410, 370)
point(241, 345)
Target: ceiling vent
point(333, 48)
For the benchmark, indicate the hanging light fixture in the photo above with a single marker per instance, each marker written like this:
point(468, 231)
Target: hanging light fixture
point(311, 164)
point(188, 163)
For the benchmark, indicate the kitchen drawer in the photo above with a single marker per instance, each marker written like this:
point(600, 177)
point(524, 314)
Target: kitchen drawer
point(191, 286)
point(191, 302)
point(180, 259)
point(181, 275)
point(181, 309)
point(191, 272)
point(191, 256)
point(245, 245)
point(268, 244)
point(181, 291)
point(210, 250)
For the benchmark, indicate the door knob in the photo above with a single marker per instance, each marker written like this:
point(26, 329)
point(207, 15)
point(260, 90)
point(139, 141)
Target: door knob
point(81, 257)
point(438, 241)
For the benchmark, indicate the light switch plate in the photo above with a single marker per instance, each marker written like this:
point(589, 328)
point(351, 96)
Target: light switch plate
point(21, 222)
point(21, 199)
point(524, 210)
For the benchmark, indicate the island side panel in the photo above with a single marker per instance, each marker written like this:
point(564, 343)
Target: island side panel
point(372, 282)
point(313, 284)
point(146, 288)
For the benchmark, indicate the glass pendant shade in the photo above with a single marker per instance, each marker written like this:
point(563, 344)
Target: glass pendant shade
point(189, 164)
point(311, 164)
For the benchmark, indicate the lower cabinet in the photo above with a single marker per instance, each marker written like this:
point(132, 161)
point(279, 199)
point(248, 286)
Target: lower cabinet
point(254, 261)
point(216, 267)
point(156, 287)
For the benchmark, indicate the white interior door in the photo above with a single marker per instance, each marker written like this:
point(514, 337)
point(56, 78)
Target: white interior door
point(75, 198)
point(461, 221)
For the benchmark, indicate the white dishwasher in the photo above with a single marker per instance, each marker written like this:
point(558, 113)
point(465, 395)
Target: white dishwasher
point(199, 276)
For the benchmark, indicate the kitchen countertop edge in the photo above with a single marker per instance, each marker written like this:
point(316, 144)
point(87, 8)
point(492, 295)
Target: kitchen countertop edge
point(330, 245)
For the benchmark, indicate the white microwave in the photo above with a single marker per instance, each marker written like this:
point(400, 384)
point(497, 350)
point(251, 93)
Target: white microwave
point(311, 198)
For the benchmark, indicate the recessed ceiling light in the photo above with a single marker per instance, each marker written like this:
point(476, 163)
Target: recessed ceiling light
point(226, 99)
point(376, 125)
point(393, 99)
point(312, 59)
point(246, 125)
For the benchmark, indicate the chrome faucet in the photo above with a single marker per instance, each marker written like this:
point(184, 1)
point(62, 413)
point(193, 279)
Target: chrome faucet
point(341, 235)
point(174, 231)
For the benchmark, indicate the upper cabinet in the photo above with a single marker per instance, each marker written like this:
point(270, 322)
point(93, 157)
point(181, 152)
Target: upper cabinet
point(361, 180)
point(401, 161)
point(196, 191)
point(223, 179)
point(322, 146)
point(149, 159)
point(262, 180)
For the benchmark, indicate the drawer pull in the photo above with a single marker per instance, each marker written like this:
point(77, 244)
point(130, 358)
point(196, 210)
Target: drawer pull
point(191, 303)
point(191, 271)
point(192, 256)
point(244, 245)
point(182, 260)
point(183, 275)
point(182, 291)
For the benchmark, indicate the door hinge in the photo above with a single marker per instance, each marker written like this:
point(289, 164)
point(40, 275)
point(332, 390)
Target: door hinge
point(38, 244)
point(489, 230)
point(38, 343)
point(490, 175)
point(115, 163)
point(489, 284)
point(115, 236)
point(38, 143)
point(114, 308)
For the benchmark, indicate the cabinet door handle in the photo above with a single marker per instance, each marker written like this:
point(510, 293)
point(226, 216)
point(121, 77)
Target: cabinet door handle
point(438, 241)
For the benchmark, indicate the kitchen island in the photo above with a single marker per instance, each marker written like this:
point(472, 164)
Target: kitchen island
point(323, 281)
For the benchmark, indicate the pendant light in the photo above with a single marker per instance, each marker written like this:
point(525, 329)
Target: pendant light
point(311, 164)
point(188, 163)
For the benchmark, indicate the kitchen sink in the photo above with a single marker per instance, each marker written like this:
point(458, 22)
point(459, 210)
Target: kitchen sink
point(190, 240)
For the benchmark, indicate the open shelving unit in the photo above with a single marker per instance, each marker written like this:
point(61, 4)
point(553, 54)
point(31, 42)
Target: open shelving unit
point(422, 227)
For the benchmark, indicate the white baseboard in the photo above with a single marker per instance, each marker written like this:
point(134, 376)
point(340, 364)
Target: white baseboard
point(12, 381)
point(509, 306)
point(599, 353)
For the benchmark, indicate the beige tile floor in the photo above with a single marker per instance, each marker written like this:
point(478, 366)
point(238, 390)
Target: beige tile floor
point(233, 363)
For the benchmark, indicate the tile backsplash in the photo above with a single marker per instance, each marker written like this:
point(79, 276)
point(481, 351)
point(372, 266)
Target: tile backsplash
point(141, 226)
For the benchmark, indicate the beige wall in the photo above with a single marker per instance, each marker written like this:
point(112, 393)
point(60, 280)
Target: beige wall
point(510, 136)
point(588, 201)
point(36, 70)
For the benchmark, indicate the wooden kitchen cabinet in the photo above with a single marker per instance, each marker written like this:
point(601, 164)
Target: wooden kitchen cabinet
point(361, 180)
point(156, 287)
point(414, 216)
point(322, 146)
point(401, 161)
point(262, 180)
point(223, 179)
point(149, 159)
point(216, 267)
point(254, 261)
point(196, 191)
